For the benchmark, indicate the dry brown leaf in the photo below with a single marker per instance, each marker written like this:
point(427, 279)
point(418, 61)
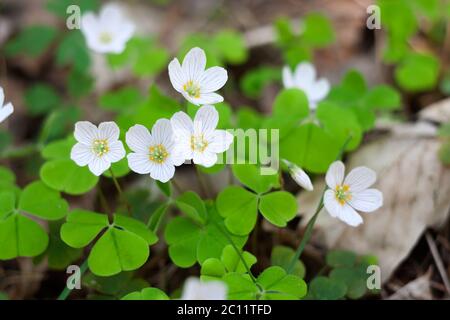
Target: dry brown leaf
point(418, 289)
point(438, 112)
point(416, 189)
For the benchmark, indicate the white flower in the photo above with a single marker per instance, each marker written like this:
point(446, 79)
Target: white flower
point(345, 196)
point(5, 110)
point(299, 176)
point(97, 147)
point(304, 78)
point(156, 153)
point(199, 140)
point(109, 31)
point(195, 83)
point(194, 289)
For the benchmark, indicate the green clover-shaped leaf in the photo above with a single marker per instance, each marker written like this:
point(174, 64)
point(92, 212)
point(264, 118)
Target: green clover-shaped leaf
point(147, 294)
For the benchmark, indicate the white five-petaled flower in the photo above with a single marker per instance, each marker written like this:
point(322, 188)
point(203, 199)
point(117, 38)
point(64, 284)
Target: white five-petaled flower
point(154, 153)
point(194, 289)
point(5, 110)
point(97, 147)
point(195, 83)
point(304, 78)
point(299, 176)
point(345, 196)
point(109, 31)
point(199, 140)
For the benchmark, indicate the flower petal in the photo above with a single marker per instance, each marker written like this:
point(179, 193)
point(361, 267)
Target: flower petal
point(85, 132)
point(182, 124)
point(163, 172)
point(319, 90)
point(108, 131)
point(116, 152)
point(360, 178)
point(288, 78)
point(138, 138)
point(176, 75)
point(110, 14)
point(342, 212)
point(367, 200)
point(162, 133)
point(6, 111)
point(206, 120)
point(335, 174)
point(204, 99)
point(140, 163)
point(301, 178)
point(2, 97)
point(213, 79)
point(219, 141)
point(350, 216)
point(81, 154)
point(205, 158)
point(194, 64)
point(305, 74)
point(98, 165)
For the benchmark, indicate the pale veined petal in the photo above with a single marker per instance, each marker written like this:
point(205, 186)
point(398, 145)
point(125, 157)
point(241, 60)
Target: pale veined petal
point(82, 154)
point(182, 124)
point(204, 99)
point(116, 152)
point(176, 75)
point(367, 200)
point(205, 158)
point(180, 153)
point(194, 64)
point(335, 174)
point(332, 206)
point(138, 138)
point(360, 178)
point(194, 289)
point(110, 14)
point(301, 178)
point(85, 132)
point(2, 97)
point(213, 79)
point(6, 111)
point(206, 120)
point(288, 78)
point(108, 131)
point(98, 165)
point(219, 141)
point(305, 74)
point(140, 163)
point(162, 133)
point(350, 216)
point(89, 25)
point(163, 172)
point(126, 31)
point(319, 90)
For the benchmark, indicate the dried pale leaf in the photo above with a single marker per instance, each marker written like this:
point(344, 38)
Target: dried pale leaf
point(418, 289)
point(438, 112)
point(415, 186)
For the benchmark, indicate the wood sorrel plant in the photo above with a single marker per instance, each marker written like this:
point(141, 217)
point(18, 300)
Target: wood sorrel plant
point(151, 136)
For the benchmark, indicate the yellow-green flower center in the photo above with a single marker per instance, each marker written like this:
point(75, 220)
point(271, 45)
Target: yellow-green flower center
point(100, 147)
point(158, 153)
point(192, 89)
point(198, 143)
point(342, 193)
point(105, 37)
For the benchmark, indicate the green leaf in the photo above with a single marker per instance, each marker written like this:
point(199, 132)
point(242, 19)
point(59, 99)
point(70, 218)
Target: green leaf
point(21, 237)
point(250, 176)
point(418, 72)
point(444, 153)
point(354, 278)
point(33, 41)
point(82, 227)
point(318, 31)
point(41, 99)
point(239, 207)
point(240, 288)
point(39, 200)
point(119, 168)
point(59, 7)
point(383, 97)
point(79, 83)
point(291, 104)
point(231, 46)
point(278, 285)
point(73, 51)
point(165, 188)
point(114, 286)
point(282, 257)
point(340, 258)
point(323, 288)
point(278, 207)
point(121, 100)
point(147, 294)
point(58, 123)
point(256, 80)
point(191, 242)
point(64, 175)
point(193, 206)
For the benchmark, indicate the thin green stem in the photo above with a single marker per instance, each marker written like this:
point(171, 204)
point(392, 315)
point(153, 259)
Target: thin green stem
point(119, 190)
point(312, 221)
point(66, 292)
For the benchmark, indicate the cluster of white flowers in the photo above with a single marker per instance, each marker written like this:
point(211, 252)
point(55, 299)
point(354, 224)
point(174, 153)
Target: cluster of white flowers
point(170, 142)
point(5, 110)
